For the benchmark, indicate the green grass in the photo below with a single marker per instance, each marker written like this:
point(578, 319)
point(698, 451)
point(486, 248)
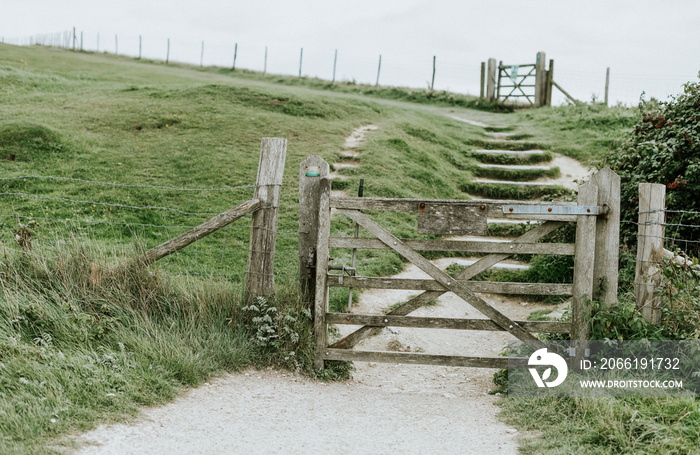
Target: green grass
point(512, 191)
point(537, 158)
point(584, 132)
point(85, 340)
point(607, 425)
point(522, 175)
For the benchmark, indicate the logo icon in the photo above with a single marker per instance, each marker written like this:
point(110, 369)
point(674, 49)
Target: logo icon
point(543, 358)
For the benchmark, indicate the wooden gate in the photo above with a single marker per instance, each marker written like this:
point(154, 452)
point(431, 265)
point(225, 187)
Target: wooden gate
point(595, 266)
point(532, 81)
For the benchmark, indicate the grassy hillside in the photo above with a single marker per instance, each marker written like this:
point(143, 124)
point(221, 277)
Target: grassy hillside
point(83, 340)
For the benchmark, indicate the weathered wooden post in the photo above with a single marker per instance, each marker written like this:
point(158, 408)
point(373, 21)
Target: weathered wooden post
point(263, 230)
point(491, 80)
point(483, 81)
point(311, 171)
point(607, 236)
point(322, 252)
point(650, 244)
point(607, 84)
point(549, 84)
point(584, 264)
point(540, 80)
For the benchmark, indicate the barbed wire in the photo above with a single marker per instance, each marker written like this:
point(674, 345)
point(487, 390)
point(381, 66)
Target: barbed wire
point(692, 212)
point(124, 185)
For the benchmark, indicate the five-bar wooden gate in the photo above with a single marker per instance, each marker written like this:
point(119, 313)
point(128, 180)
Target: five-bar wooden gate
point(595, 265)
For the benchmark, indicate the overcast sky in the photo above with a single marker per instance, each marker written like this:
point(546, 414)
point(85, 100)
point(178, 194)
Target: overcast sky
point(649, 45)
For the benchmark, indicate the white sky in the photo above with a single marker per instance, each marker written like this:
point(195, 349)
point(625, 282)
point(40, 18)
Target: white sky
point(649, 45)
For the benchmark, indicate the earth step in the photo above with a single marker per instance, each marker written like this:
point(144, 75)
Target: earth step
point(471, 122)
point(336, 176)
point(515, 167)
point(523, 153)
point(500, 140)
point(509, 182)
point(346, 165)
point(351, 153)
point(501, 135)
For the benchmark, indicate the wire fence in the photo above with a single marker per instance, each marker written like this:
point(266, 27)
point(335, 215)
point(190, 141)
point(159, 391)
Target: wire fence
point(406, 69)
point(119, 221)
point(667, 241)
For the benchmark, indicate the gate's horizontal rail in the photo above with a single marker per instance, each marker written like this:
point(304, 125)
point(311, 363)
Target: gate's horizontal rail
point(493, 208)
point(526, 65)
point(484, 287)
point(565, 249)
point(442, 323)
point(418, 358)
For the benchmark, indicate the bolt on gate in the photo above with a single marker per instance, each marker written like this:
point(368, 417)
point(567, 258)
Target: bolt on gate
point(595, 252)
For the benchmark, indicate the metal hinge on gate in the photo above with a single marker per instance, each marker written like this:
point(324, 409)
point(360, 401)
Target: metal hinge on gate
point(556, 209)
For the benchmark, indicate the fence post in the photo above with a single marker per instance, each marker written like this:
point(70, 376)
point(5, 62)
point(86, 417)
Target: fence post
point(167, 53)
point(607, 84)
point(265, 64)
point(548, 84)
point(540, 80)
point(483, 80)
point(379, 69)
point(607, 237)
point(335, 61)
point(432, 81)
point(321, 293)
point(301, 58)
point(263, 230)
point(491, 80)
point(650, 244)
point(311, 171)
point(584, 264)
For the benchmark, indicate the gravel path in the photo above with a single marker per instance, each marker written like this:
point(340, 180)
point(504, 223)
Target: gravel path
point(386, 408)
point(268, 412)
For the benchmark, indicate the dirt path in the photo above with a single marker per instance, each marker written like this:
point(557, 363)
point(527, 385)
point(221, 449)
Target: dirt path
point(351, 154)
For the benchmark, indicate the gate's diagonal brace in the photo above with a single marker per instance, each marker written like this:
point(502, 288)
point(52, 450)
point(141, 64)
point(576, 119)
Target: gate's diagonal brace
point(450, 283)
point(469, 272)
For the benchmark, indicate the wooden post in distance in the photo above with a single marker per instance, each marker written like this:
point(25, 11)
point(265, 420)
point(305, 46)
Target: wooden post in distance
point(540, 79)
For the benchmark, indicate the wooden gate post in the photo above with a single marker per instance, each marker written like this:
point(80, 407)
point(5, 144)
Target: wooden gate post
point(584, 261)
point(607, 236)
point(483, 80)
point(540, 80)
point(263, 229)
point(650, 244)
point(322, 252)
point(311, 171)
point(548, 84)
point(491, 81)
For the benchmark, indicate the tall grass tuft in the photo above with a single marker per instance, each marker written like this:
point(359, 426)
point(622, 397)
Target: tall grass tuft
point(86, 336)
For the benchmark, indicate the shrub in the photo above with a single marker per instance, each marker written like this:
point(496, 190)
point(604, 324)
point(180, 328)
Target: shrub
point(664, 148)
